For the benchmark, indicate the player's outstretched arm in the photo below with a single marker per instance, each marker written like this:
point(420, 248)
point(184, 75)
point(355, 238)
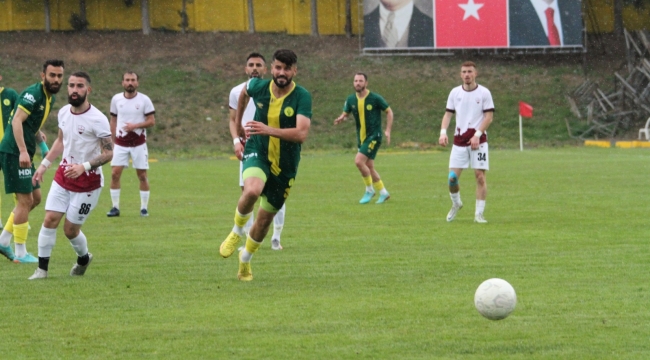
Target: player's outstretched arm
point(52, 155)
point(443, 140)
point(389, 124)
point(296, 135)
point(341, 118)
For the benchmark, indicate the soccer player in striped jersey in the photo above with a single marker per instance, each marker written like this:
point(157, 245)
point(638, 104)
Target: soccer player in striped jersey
point(367, 108)
point(272, 153)
point(255, 68)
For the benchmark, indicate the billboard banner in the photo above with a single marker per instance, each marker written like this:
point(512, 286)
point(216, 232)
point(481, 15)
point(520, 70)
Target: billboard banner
point(472, 24)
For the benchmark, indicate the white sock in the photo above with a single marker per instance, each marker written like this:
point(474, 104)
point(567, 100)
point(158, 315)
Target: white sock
point(80, 244)
point(370, 189)
point(144, 199)
point(278, 222)
point(249, 223)
point(5, 238)
point(455, 198)
point(480, 206)
point(46, 241)
point(383, 191)
point(21, 250)
point(115, 197)
point(245, 255)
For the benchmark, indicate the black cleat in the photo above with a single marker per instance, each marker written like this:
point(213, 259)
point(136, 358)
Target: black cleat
point(114, 212)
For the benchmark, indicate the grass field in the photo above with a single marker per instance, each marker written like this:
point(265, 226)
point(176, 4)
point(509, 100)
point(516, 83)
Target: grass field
point(567, 228)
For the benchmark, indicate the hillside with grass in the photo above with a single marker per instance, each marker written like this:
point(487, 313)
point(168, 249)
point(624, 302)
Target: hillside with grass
point(189, 76)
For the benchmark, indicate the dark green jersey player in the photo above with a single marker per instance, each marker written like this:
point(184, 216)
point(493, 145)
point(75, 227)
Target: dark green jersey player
point(367, 108)
point(8, 99)
point(272, 153)
point(16, 152)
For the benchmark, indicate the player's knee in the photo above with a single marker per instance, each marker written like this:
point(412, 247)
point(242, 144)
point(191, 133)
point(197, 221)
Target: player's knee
point(71, 231)
point(453, 179)
point(480, 180)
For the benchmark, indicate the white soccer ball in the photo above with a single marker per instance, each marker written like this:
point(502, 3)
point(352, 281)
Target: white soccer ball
point(495, 299)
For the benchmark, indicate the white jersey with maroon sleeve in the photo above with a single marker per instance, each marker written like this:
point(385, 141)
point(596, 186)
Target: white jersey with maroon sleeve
point(81, 143)
point(469, 107)
point(249, 112)
point(133, 111)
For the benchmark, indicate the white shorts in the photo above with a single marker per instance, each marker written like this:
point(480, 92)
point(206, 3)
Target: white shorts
point(76, 206)
point(139, 154)
point(241, 173)
point(463, 156)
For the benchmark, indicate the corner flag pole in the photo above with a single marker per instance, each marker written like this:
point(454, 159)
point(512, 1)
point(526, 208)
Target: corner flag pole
point(521, 135)
point(525, 110)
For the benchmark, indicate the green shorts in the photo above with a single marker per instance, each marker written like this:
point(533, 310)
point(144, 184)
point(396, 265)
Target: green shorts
point(370, 146)
point(276, 187)
point(17, 180)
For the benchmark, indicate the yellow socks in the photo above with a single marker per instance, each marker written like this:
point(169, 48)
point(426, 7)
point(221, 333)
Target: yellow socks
point(241, 219)
point(9, 226)
point(367, 180)
point(20, 233)
point(251, 248)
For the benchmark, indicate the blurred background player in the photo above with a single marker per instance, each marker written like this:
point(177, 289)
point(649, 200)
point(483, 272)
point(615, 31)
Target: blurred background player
point(474, 109)
point(367, 107)
point(272, 153)
point(255, 68)
point(85, 141)
point(131, 114)
point(16, 155)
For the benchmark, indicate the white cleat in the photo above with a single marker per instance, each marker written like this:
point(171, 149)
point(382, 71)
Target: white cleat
point(275, 244)
point(478, 218)
point(454, 210)
point(38, 274)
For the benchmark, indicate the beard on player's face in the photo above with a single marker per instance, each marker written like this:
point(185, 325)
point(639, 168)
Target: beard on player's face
point(359, 88)
point(76, 100)
point(52, 88)
point(285, 81)
point(130, 88)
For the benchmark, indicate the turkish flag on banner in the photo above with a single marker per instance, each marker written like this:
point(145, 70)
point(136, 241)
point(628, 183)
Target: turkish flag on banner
point(471, 23)
point(525, 110)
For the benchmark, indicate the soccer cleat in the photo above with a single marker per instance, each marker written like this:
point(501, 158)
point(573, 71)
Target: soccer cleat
point(229, 245)
point(7, 252)
point(143, 212)
point(27, 259)
point(113, 212)
point(245, 273)
point(78, 270)
point(39, 274)
point(382, 198)
point(366, 197)
point(275, 244)
point(478, 218)
point(454, 210)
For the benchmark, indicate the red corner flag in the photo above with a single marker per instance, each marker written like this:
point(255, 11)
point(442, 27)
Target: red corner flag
point(525, 110)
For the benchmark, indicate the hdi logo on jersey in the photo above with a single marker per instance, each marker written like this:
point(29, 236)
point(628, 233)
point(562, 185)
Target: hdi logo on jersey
point(29, 97)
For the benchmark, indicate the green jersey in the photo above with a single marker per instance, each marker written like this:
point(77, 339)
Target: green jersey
point(8, 98)
point(37, 105)
point(281, 113)
point(367, 114)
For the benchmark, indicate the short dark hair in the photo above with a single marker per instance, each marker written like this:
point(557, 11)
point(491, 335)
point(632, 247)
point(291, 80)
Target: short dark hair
point(365, 77)
point(137, 77)
point(286, 56)
point(82, 74)
point(52, 62)
point(255, 55)
point(468, 64)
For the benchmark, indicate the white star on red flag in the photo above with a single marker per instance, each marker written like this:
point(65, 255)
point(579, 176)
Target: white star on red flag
point(471, 9)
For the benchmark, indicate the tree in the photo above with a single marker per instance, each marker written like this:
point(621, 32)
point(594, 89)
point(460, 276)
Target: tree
point(48, 24)
point(146, 27)
point(251, 17)
point(348, 18)
point(314, 18)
